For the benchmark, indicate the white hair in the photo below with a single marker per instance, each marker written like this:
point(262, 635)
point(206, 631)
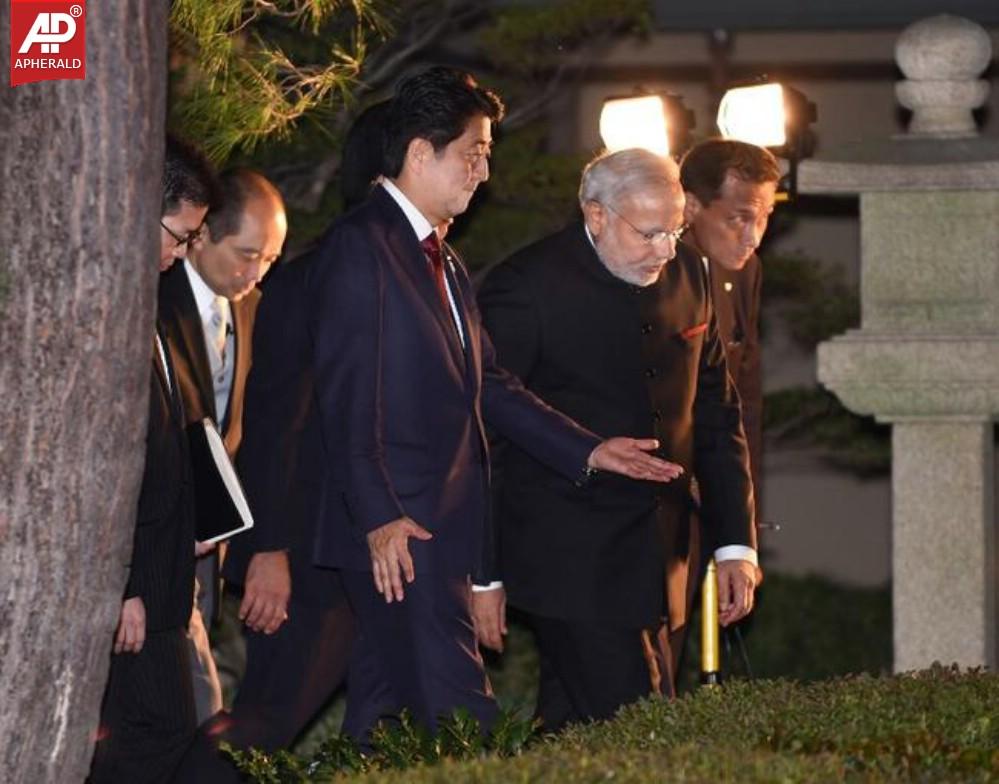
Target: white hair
point(610, 176)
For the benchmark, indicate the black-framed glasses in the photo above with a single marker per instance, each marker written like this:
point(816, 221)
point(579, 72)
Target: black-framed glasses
point(184, 239)
point(652, 237)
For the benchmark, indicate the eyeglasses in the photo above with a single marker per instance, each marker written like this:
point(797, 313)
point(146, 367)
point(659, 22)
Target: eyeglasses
point(184, 239)
point(652, 237)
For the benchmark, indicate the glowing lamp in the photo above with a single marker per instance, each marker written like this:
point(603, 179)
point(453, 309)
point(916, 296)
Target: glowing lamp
point(770, 114)
point(659, 123)
point(755, 114)
point(635, 122)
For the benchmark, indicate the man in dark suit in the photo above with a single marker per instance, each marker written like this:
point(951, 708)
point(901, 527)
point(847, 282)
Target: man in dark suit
point(148, 716)
point(610, 321)
point(404, 379)
point(729, 187)
point(207, 305)
point(297, 658)
point(303, 627)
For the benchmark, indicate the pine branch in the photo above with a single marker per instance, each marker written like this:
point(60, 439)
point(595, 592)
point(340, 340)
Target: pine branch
point(426, 26)
point(423, 31)
point(239, 86)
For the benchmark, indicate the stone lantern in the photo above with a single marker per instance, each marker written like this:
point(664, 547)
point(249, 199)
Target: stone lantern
point(926, 357)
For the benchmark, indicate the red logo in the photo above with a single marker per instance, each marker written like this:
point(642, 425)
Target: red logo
point(47, 41)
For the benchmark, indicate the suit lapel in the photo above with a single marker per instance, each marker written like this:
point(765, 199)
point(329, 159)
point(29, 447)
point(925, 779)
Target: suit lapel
point(182, 318)
point(242, 338)
point(456, 280)
point(159, 356)
point(167, 375)
point(409, 255)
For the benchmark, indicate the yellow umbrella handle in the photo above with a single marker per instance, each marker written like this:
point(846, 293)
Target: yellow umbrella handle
point(710, 652)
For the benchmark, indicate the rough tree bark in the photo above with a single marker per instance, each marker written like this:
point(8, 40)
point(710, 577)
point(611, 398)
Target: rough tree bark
point(80, 171)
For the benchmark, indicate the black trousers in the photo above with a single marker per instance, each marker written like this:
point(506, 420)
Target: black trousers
point(588, 670)
point(419, 654)
point(290, 675)
point(147, 718)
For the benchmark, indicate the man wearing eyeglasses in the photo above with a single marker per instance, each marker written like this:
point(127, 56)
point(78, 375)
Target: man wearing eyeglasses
point(174, 245)
point(610, 321)
point(147, 715)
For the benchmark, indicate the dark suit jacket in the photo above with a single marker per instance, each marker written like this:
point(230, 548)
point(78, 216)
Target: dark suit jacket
point(736, 296)
point(645, 362)
point(402, 405)
point(178, 312)
point(162, 566)
point(282, 460)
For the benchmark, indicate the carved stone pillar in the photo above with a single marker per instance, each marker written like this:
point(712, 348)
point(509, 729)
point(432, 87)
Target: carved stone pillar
point(926, 357)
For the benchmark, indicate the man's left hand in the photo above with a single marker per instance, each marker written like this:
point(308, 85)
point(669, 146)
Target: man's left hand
point(489, 617)
point(131, 633)
point(737, 581)
point(266, 591)
point(630, 457)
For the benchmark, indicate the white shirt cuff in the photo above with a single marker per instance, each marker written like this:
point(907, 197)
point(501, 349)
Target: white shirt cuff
point(737, 552)
point(490, 587)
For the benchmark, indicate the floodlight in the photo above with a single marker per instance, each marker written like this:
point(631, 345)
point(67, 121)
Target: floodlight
point(754, 114)
point(770, 114)
point(659, 123)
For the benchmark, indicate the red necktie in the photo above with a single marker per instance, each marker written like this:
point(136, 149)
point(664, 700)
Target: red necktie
point(431, 245)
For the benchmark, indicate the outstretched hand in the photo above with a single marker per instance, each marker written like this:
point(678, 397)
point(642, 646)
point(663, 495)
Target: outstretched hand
point(390, 558)
point(630, 457)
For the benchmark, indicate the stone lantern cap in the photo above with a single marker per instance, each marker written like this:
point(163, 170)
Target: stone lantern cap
point(941, 58)
point(944, 47)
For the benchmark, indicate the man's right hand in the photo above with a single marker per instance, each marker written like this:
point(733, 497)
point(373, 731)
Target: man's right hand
point(390, 558)
point(737, 581)
point(266, 592)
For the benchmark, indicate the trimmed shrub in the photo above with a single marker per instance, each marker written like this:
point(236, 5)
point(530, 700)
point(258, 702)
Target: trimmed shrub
point(938, 725)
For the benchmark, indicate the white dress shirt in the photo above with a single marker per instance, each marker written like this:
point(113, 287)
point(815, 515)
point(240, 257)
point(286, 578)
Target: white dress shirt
point(222, 372)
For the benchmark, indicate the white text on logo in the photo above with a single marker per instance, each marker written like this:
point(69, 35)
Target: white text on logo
point(45, 31)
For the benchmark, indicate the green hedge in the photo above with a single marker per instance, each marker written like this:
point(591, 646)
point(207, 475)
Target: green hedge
point(806, 628)
point(940, 725)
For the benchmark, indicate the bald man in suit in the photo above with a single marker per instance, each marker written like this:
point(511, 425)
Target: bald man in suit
point(207, 305)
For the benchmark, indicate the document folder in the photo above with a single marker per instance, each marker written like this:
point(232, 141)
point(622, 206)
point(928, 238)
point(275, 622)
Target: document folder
point(222, 510)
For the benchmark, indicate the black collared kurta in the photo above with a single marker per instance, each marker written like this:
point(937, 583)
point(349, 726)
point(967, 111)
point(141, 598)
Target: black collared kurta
point(620, 360)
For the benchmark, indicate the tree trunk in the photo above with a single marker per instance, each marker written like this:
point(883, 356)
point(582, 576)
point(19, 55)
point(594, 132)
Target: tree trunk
point(80, 173)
